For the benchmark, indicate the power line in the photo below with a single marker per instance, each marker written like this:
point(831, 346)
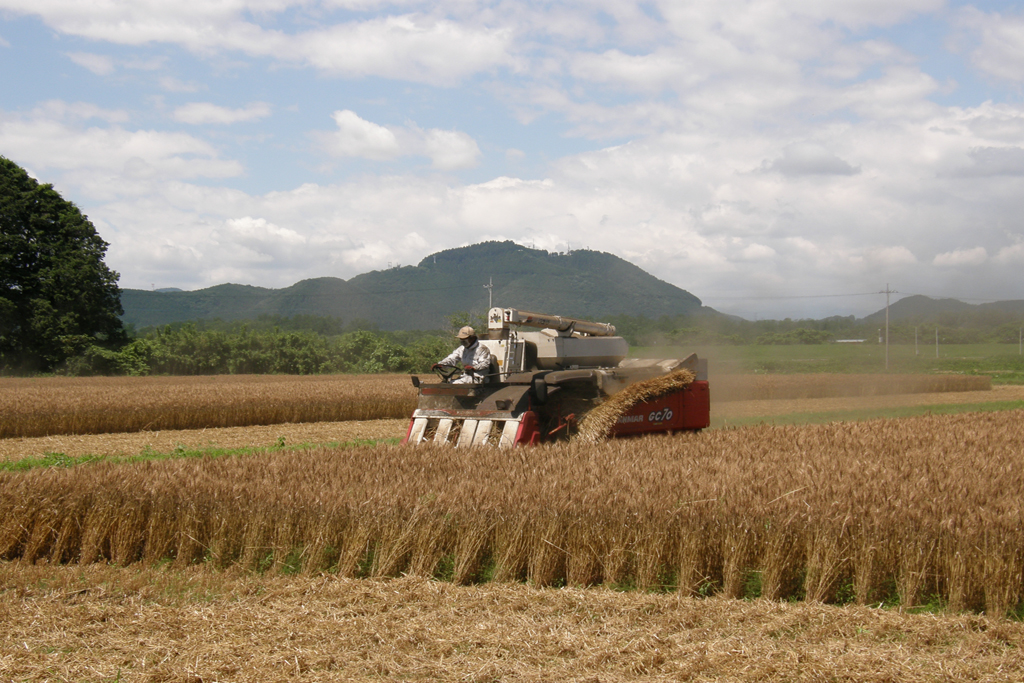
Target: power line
point(798, 296)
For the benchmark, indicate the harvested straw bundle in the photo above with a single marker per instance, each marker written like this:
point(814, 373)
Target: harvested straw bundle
point(598, 423)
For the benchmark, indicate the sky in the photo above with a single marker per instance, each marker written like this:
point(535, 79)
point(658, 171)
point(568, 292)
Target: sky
point(775, 158)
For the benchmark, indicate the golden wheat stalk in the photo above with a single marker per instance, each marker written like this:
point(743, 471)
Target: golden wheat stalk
point(597, 425)
point(872, 511)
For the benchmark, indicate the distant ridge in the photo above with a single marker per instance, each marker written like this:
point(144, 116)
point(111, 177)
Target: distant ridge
point(920, 308)
point(586, 284)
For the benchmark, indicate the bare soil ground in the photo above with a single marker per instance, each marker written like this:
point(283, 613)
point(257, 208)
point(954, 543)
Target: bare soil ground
point(101, 623)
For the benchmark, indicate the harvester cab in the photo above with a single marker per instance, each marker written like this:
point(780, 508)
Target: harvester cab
point(555, 378)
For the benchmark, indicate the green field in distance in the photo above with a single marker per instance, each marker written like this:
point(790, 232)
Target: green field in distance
point(1002, 362)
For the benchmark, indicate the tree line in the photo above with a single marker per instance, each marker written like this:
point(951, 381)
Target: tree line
point(188, 350)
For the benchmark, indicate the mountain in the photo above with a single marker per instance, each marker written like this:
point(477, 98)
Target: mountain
point(584, 284)
point(919, 308)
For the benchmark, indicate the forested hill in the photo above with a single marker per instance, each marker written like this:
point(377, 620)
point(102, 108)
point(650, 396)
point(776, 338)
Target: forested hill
point(586, 284)
point(922, 309)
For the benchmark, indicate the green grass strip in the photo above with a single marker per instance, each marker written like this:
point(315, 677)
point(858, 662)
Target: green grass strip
point(866, 414)
point(62, 460)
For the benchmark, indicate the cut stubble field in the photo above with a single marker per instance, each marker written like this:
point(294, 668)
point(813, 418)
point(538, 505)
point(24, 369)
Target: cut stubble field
point(100, 623)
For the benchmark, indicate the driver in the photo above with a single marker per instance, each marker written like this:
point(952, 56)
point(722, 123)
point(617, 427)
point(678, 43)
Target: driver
point(473, 357)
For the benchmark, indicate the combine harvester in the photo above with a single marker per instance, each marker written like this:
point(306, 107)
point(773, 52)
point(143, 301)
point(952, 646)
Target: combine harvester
point(561, 378)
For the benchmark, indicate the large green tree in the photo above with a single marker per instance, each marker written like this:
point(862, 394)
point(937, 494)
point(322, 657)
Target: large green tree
point(57, 297)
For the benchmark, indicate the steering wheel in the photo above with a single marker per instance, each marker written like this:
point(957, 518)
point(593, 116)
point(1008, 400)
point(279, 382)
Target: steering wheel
point(447, 373)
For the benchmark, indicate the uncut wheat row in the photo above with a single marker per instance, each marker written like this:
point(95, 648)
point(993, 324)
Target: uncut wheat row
point(892, 510)
point(32, 407)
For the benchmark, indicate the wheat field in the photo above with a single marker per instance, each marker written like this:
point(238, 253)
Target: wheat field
point(323, 564)
point(33, 407)
point(38, 407)
point(887, 511)
point(256, 436)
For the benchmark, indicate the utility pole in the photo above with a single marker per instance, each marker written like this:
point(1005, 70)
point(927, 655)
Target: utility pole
point(887, 292)
point(490, 292)
point(915, 340)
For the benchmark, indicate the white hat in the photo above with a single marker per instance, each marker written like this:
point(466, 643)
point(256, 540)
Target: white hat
point(466, 332)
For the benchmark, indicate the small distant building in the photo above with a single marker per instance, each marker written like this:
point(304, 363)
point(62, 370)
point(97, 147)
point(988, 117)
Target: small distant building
point(850, 341)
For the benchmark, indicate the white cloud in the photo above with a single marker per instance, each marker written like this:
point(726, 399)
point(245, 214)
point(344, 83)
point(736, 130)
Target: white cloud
point(993, 161)
point(415, 47)
point(171, 84)
point(101, 65)
point(996, 122)
point(408, 47)
point(863, 13)
point(757, 252)
point(259, 242)
point(890, 256)
point(901, 92)
point(648, 72)
point(803, 158)
point(198, 113)
point(999, 41)
point(826, 244)
point(134, 23)
point(260, 230)
point(53, 137)
point(961, 257)
point(145, 64)
point(1012, 255)
point(451, 150)
point(686, 207)
point(59, 110)
point(356, 137)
